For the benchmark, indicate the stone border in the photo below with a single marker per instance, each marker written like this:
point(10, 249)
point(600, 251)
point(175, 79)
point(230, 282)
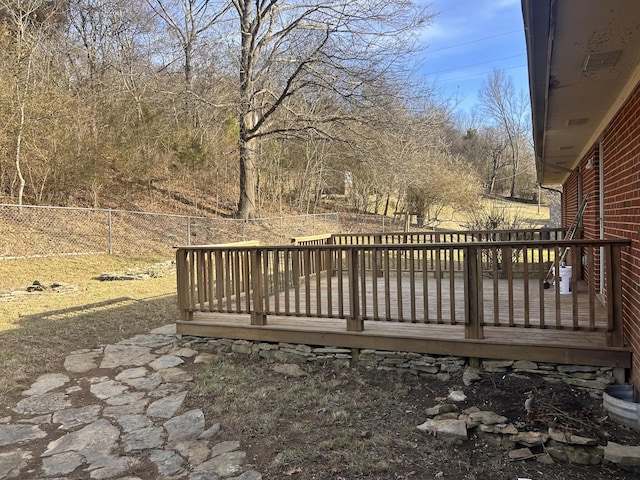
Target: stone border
point(432, 366)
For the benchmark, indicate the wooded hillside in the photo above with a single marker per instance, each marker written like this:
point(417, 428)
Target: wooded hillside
point(243, 108)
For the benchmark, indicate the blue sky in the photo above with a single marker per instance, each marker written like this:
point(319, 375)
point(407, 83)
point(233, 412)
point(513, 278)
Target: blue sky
point(468, 40)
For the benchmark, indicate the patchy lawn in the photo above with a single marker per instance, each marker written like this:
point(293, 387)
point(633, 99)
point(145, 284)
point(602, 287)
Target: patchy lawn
point(38, 329)
point(351, 423)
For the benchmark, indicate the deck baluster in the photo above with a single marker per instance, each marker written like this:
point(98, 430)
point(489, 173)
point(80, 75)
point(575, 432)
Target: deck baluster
point(258, 315)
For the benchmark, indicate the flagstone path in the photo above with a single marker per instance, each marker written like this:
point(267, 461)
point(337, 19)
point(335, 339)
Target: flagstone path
point(116, 413)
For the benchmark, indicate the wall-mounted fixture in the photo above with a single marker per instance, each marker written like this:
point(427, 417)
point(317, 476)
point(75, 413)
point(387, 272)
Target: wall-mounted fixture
point(590, 164)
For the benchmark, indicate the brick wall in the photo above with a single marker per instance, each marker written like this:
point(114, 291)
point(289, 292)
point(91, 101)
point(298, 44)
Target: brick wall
point(569, 200)
point(591, 217)
point(569, 212)
point(620, 166)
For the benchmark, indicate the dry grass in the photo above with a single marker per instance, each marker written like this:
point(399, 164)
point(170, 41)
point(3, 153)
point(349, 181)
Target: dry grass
point(37, 330)
point(351, 423)
point(332, 422)
point(528, 215)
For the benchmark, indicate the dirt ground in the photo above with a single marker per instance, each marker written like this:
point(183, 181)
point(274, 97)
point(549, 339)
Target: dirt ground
point(348, 423)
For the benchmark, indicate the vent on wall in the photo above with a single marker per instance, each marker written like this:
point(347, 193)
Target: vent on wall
point(577, 121)
point(599, 61)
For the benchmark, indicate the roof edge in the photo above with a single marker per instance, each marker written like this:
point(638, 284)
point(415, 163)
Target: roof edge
point(539, 40)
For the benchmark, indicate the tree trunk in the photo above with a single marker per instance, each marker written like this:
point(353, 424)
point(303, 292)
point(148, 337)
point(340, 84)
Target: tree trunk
point(247, 143)
point(494, 174)
point(18, 158)
point(514, 174)
point(248, 177)
point(514, 163)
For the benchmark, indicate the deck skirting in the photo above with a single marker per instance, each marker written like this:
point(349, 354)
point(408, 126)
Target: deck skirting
point(515, 343)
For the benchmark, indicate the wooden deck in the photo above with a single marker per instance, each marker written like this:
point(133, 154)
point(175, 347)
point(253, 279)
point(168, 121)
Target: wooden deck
point(529, 323)
point(482, 298)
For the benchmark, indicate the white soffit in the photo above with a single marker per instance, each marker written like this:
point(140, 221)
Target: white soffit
point(594, 67)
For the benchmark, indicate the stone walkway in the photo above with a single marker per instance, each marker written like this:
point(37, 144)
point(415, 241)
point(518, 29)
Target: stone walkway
point(117, 414)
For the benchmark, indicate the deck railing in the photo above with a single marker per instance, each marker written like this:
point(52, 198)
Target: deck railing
point(472, 284)
point(447, 236)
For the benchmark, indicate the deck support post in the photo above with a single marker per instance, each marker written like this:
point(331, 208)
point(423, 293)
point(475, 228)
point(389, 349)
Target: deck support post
point(474, 362)
point(258, 317)
point(182, 275)
point(354, 321)
point(620, 375)
point(355, 325)
point(473, 312)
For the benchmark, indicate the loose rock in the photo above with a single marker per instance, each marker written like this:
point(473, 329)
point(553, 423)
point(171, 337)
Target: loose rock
point(623, 455)
point(520, 454)
point(447, 428)
point(566, 437)
point(457, 396)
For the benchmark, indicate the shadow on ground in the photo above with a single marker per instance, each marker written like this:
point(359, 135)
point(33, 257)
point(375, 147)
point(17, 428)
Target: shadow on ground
point(41, 341)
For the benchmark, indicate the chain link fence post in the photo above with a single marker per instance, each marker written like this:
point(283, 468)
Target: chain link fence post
point(110, 232)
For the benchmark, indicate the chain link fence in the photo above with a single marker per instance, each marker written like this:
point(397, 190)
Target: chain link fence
point(30, 231)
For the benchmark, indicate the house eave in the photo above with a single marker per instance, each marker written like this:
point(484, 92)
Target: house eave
point(583, 62)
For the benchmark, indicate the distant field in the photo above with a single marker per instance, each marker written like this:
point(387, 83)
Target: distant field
point(527, 215)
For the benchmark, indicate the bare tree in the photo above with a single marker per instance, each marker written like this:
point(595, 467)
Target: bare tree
point(509, 111)
point(187, 20)
point(91, 41)
point(310, 49)
point(29, 23)
point(484, 149)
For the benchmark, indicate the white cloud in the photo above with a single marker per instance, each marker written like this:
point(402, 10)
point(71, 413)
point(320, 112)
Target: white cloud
point(441, 33)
